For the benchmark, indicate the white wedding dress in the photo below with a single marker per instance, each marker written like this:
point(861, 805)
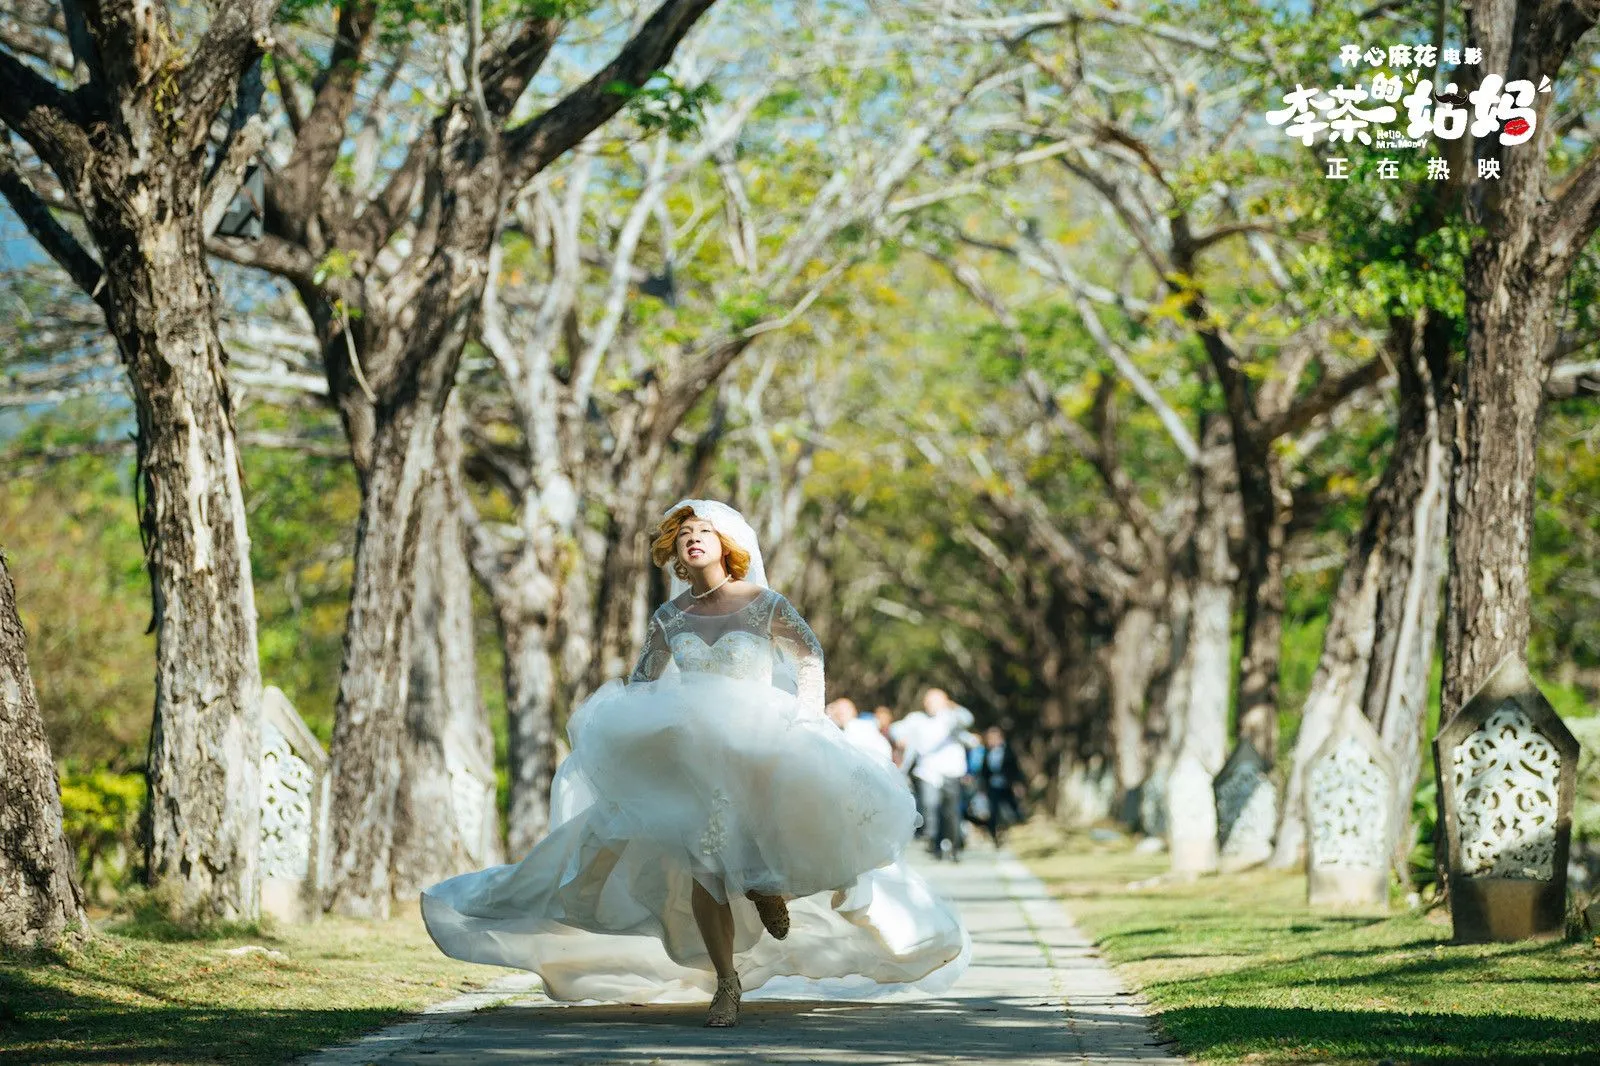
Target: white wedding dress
point(714, 763)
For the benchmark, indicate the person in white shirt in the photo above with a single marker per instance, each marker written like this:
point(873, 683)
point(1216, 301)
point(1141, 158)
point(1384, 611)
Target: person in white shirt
point(938, 762)
point(860, 728)
point(904, 735)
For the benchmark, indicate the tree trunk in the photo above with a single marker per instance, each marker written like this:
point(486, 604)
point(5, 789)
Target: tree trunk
point(1206, 731)
point(540, 598)
point(130, 146)
point(1266, 512)
point(530, 679)
point(1191, 823)
point(1131, 663)
point(413, 383)
point(620, 605)
point(373, 695)
point(445, 818)
point(1530, 238)
point(1510, 308)
point(1169, 701)
point(580, 614)
point(1408, 622)
point(1378, 646)
point(1170, 698)
point(1407, 609)
point(1341, 668)
point(40, 901)
point(1211, 613)
point(1052, 745)
point(205, 740)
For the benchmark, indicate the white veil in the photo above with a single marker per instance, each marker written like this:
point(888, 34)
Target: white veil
point(731, 524)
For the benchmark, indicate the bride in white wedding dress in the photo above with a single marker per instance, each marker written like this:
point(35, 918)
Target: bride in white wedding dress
point(706, 802)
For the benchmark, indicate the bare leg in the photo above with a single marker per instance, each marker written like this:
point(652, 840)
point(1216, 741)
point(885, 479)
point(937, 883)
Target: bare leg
point(716, 928)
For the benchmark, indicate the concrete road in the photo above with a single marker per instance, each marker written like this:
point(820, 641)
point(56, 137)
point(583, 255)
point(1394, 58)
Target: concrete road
point(1036, 993)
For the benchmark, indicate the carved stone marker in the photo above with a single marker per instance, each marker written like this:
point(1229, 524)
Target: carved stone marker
point(1349, 812)
point(294, 810)
point(1247, 809)
point(1191, 817)
point(1506, 766)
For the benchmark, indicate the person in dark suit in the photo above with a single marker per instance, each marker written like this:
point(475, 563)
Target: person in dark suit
point(1001, 779)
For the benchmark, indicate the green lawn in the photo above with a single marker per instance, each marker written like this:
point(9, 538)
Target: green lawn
point(137, 997)
point(1243, 972)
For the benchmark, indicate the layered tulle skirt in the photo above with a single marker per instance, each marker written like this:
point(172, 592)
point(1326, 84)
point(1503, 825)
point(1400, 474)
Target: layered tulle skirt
point(703, 778)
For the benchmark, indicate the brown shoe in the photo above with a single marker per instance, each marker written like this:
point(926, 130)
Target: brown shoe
point(724, 1010)
point(774, 913)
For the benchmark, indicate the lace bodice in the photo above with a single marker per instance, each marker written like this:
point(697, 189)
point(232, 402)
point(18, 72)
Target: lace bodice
point(765, 640)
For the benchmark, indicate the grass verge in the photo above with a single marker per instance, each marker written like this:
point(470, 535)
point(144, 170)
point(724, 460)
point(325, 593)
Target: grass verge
point(141, 995)
point(1243, 972)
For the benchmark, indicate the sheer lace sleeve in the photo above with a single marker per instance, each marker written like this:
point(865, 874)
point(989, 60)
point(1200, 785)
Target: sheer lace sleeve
point(795, 639)
point(656, 656)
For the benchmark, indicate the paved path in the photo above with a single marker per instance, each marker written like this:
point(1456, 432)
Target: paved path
point(1036, 993)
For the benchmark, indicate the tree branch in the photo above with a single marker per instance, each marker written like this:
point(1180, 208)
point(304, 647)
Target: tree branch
point(240, 32)
point(1573, 379)
point(288, 260)
point(299, 185)
point(44, 116)
point(1068, 278)
point(508, 71)
point(533, 145)
point(55, 238)
point(30, 40)
point(1573, 214)
point(1026, 24)
point(247, 132)
point(385, 213)
point(1326, 395)
point(1230, 229)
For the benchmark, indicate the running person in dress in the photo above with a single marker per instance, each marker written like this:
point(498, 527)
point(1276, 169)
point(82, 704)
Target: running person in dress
point(712, 831)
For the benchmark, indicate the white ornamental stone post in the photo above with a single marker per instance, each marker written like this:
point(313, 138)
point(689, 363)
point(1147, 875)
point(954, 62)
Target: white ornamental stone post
point(1506, 768)
point(1348, 804)
point(294, 810)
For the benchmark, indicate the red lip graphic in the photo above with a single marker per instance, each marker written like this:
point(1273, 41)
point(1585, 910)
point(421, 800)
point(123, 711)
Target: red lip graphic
point(1517, 127)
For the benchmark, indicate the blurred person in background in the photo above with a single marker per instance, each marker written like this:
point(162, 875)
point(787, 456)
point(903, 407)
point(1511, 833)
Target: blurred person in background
point(999, 780)
point(860, 728)
point(938, 762)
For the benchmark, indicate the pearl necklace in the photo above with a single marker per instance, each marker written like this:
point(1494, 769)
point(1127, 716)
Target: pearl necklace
point(713, 588)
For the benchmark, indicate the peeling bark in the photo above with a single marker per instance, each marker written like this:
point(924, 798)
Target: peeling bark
point(1378, 646)
point(1407, 612)
point(446, 819)
point(40, 901)
point(130, 146)
point(1509, 311)
point(1514, 277)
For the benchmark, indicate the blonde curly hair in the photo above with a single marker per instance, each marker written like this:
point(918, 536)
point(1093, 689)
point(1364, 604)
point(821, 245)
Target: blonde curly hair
point(664, 545)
